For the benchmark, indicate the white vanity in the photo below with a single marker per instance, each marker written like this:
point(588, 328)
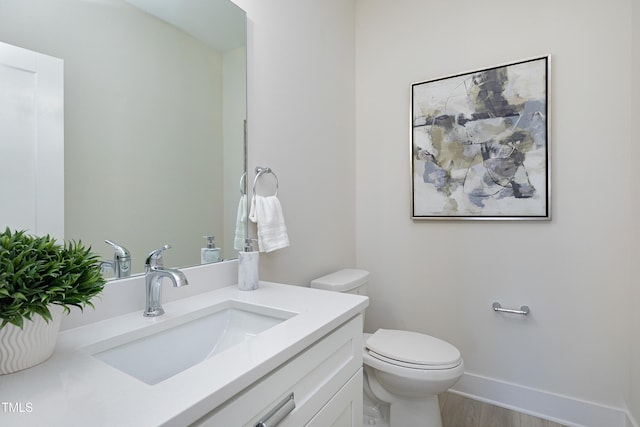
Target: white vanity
point(268, 345)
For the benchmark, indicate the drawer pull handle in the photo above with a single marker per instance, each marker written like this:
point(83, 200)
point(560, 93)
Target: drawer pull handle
point(278, 413)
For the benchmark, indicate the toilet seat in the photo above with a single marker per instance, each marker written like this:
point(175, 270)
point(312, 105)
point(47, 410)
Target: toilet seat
point(412, 350)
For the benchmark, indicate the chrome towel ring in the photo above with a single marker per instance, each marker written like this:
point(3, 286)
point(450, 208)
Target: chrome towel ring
point(243, 182)
point(262, 171)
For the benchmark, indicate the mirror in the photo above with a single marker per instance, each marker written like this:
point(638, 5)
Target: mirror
point(155, 106)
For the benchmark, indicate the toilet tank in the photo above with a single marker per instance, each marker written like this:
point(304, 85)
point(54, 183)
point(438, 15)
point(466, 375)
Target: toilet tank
point(349, 280)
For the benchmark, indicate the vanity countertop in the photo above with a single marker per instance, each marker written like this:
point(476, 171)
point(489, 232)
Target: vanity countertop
point(73, 388)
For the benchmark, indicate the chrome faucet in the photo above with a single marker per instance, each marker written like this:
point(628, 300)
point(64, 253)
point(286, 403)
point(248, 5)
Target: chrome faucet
point(121, 263)
point(154, 273)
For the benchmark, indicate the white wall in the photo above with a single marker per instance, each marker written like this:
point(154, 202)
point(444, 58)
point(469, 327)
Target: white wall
point(634, 402)
point(301, 114)
point(574, 272)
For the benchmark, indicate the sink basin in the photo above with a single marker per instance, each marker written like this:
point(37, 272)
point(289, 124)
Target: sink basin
point(155, 353)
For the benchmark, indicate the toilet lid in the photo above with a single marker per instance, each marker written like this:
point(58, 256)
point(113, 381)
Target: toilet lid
point(407, 348)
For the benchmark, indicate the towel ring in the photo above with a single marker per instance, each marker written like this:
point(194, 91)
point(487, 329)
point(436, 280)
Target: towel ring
point(261, 171)
point(243, 183)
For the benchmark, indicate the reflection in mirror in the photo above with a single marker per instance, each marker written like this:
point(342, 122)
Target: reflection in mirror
point(154, 119)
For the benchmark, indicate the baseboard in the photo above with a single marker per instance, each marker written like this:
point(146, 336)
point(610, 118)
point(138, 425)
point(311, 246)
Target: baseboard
point(553, 407)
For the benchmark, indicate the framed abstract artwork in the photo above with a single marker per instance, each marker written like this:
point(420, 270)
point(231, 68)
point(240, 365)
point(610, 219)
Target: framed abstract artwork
point(480, 144)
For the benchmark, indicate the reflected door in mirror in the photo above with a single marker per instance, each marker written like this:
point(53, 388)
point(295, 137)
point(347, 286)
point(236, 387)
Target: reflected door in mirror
point(31, 141)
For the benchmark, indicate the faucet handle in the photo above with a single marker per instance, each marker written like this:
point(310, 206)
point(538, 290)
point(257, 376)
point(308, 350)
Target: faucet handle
point(155, 258)
point(119, 250)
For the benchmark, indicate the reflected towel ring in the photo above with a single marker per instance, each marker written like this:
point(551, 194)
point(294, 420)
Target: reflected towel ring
point(261, 171)
point(243, 183)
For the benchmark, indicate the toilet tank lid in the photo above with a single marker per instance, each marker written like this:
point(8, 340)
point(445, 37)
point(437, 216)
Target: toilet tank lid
point(342, 280)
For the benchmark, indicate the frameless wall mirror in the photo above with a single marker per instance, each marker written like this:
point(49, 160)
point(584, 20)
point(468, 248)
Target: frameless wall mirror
point(155, 104)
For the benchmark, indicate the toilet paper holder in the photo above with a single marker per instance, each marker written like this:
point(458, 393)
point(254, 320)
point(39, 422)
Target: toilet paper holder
point(524, 310)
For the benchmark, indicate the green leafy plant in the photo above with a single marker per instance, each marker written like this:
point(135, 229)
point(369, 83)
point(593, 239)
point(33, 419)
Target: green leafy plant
point(37, 271)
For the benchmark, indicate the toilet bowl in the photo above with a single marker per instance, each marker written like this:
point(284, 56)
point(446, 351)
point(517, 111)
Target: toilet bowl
point(404, 370)
point(410, 384)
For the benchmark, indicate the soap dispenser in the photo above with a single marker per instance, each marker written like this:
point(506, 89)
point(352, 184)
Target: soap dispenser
point(248, 267)
point(210, 253)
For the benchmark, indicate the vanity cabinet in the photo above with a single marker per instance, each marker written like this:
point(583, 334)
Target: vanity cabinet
point(325, 380)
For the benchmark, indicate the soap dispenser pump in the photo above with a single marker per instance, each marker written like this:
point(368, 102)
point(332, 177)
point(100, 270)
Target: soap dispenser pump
point(248, 267)
point(209, 253)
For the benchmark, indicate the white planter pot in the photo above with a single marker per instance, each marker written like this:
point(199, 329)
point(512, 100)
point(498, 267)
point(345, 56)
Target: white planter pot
point(34, 343)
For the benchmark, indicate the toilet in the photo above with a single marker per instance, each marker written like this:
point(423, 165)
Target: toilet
point(404, 371)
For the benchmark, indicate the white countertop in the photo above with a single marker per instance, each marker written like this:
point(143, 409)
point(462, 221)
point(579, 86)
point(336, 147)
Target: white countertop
point(73, 388)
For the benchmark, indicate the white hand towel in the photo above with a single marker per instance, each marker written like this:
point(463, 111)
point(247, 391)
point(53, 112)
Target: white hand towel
point(266, 212)
point(241, 226)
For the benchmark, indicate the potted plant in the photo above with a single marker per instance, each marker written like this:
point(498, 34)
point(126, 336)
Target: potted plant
point(40, 278)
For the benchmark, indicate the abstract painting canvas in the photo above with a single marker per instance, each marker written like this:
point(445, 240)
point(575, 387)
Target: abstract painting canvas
point(480, 144)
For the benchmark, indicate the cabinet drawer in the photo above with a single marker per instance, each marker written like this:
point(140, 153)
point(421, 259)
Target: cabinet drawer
point(344, 409)
point(313, 376)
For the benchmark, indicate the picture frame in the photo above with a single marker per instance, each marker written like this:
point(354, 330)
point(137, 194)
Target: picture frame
point(480, 144)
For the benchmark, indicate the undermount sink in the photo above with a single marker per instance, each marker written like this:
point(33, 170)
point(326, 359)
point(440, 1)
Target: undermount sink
point(160, 351)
